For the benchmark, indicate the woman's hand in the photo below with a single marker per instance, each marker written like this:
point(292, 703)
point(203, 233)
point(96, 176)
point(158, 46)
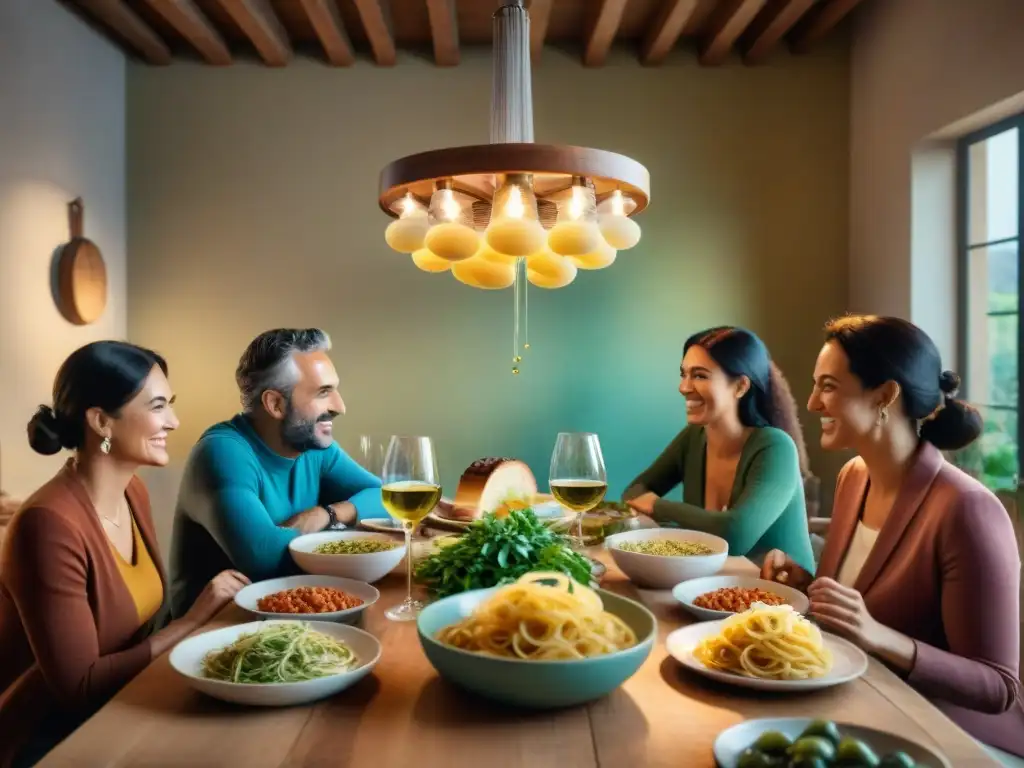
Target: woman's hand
point(644, 503)
point(219, 592)
point(780, 567)
point(842, 610)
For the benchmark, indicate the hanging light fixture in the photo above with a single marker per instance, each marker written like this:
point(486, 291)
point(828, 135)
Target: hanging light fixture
point(512, 212)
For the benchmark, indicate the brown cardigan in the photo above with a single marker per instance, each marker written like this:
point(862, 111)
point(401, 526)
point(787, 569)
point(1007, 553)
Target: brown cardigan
point(69, 628)
point(944, 571)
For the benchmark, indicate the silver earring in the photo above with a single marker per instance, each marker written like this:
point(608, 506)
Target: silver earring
point(105, 445)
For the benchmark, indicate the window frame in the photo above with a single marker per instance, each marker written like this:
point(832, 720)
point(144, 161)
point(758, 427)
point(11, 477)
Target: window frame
point(964, 248)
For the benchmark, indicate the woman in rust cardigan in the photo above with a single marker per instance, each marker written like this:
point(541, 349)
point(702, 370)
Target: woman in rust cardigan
point(82, 584)
point(921, 566)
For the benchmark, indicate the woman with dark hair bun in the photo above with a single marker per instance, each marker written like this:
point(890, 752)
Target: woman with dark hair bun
point(741, 458)
point(920, 567)
point(82, 585)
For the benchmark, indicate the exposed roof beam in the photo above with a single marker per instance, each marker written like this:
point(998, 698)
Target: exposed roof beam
point(772, 23)
point(818, 22)
point(121, 20)
point(445, 32)
point(260, 24)
point(326, 21)
point(602, 32)
point(540, 15)
point(376, 18)
point(668, 25)
point(191, 24)
point(731, 18)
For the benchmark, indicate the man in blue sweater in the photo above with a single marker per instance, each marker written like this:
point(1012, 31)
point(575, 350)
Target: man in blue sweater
point(273, 472)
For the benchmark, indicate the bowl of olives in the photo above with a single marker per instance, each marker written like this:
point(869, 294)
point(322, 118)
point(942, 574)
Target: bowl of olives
point(797, 742)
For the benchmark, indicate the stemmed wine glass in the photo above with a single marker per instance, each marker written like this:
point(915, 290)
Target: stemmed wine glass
point(370, 454)
point(577, 479)
point(411, 489)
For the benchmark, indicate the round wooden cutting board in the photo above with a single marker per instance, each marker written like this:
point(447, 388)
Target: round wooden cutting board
point(81, 274)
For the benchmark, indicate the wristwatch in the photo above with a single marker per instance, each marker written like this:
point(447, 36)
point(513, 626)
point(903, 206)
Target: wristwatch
point(332, 519)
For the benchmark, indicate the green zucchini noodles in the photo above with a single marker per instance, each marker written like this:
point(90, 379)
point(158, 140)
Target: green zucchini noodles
point(279, 653)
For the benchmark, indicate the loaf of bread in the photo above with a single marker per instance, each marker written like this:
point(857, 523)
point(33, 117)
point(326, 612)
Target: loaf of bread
point(488, 485)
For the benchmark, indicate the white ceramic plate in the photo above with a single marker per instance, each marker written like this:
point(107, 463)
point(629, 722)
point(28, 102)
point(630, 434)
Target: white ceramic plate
point(381, 525)
point(248, 598)
point(688, 591)
point(731, 742)
point(187, 660)
point(849, 661)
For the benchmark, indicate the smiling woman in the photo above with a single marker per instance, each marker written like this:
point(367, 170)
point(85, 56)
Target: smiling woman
point(741, 457)
point(82, 585)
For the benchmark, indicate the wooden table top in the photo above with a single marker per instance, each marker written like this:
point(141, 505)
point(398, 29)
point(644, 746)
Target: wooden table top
point(403, 714)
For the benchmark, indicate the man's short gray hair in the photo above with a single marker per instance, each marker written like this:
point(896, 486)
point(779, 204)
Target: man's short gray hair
point(268, 362)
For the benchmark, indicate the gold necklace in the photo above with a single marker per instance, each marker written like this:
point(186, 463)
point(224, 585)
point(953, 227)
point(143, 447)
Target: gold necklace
point(114, 523)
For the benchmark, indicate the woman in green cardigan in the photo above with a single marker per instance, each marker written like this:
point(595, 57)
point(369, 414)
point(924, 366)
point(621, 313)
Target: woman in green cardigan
point(741, 458)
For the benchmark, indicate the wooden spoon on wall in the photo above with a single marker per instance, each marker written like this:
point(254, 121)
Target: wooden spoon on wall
point(81, 273)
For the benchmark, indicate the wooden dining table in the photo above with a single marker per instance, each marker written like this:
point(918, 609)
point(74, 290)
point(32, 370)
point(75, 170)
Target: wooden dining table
point(404, 715)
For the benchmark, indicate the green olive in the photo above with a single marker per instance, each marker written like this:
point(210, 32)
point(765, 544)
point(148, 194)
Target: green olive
point(853, 753)
point(753, 759)
point(812, 746)
point(772, 743)
point(897, 760)
point(826, 729)
point(808, 762)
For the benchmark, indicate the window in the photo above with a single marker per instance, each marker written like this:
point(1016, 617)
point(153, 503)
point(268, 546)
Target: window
point(990, 175)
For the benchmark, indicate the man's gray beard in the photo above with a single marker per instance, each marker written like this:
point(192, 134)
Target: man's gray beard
point(299, 434)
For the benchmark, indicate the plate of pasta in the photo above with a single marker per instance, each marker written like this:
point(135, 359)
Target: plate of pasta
point(542, 641)
point(769, 648)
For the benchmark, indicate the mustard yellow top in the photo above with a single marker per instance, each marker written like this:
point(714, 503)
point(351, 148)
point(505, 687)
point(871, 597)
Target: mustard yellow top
point(142, 578)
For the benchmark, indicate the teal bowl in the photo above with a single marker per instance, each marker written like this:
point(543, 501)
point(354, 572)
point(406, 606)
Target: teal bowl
point(534, 684)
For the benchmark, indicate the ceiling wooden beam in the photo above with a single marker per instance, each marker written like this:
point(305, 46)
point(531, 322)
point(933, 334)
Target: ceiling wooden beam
point(540, 15)
point(122, 21)
point(326, 21)
point(819, 22)
point(260, 24)
point(376, 18)
point(191, 24)
point(772, 23)
point(445, 32)
point(664, 32)
point(602, 31)
point(728, 23)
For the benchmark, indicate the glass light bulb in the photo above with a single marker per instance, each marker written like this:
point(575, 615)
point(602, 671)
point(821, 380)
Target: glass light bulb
point(618, 230)
point(451, 235)
point(515, 228)
point(406, 233)
point(599, 258)
point(479, 272)
point(547, 269)
point(430, 262)
point(576, 232)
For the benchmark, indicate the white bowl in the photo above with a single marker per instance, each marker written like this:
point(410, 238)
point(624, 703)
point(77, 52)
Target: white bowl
point(688, 591)
point(658, 572)
point(187, 660)
point(370, 567)
point(249, 597)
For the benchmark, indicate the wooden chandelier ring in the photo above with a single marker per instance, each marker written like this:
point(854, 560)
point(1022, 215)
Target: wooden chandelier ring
point(474, 169)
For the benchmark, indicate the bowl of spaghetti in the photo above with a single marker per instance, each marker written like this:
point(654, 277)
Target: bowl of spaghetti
point(541, 642)
point(660, 558)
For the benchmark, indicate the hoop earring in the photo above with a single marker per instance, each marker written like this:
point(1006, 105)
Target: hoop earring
point(105, 445)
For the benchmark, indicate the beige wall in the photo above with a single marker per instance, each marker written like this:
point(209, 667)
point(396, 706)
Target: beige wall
point(62, 107)
point(253, 204)
point(922, 72)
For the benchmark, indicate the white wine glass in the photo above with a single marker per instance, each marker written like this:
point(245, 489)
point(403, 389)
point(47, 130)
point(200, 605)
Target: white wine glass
point(370, 454)
point(577, 479)
point(410, 489)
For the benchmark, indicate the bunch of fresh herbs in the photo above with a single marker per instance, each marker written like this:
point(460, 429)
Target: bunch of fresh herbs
point(496, 551)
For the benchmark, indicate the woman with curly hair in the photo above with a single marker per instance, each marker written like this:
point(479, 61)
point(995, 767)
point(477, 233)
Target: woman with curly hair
point(741, 458)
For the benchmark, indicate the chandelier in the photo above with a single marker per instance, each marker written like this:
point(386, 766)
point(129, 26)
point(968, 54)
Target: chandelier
point(512, 212)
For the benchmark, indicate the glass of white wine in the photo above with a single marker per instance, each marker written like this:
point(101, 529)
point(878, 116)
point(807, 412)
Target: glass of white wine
point(411, 489)
point(578, 480)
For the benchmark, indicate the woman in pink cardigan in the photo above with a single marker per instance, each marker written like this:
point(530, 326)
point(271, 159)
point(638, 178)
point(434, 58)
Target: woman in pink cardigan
point(920, 567)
